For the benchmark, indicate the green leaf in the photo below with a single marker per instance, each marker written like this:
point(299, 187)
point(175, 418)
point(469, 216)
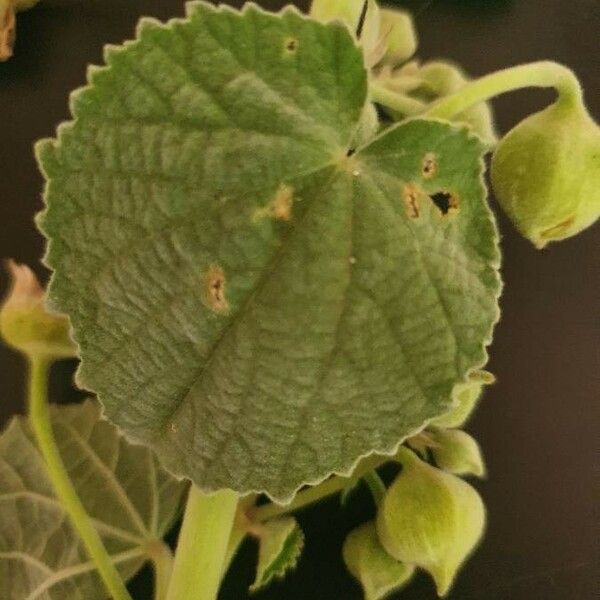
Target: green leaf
point(466, 396)
point(253, 299)
point(131, 500)
point(367, 560)
point(281, 543)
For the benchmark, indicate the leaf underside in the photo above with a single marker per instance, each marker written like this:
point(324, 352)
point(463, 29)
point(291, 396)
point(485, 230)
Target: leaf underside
point(254, 298)
point(131, 500)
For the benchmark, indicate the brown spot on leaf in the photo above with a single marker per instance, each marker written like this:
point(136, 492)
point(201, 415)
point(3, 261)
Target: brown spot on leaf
point(291, 45)
point(172, 428)
point(280, 206)
point(214, 290)
point(446, 202)
point(430, 165)
point(411, 194)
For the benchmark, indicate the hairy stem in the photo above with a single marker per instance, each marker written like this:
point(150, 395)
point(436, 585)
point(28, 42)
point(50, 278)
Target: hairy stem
point(537, 74)
point(313, 494)
point(39, 414)
point(202, 546)
point(395, 101)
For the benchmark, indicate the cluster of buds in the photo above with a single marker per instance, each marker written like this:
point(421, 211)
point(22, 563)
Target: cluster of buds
point(429, 518)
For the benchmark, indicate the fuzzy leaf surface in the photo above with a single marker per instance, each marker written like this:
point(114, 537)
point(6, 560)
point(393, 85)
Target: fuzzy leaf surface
point(254, 298)
point(131, 500)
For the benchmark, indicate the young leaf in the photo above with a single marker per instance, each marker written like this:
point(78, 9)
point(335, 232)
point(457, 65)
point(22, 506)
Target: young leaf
point(131, 500)
point(378, 573)
point(281, 543)
point(466, 396)
point(256, 299)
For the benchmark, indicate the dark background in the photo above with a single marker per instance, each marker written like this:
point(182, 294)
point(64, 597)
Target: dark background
point(538, 425)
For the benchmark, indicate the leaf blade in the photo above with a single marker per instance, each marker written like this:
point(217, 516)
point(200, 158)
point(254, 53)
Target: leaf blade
point(215, 309)
point(35, 532)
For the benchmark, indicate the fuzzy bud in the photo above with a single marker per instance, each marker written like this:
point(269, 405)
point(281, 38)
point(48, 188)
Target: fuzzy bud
point(399, 35)
point(546, 173)
point(457, 452)
point(430, 519)
point(366, 559)
point(26, 324)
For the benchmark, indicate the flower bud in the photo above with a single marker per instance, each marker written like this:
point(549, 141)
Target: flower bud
point(465, 396)
point(430, 519)
point(546, 173)
point(26, 324)
point(399, 35)
point(457, 452)
point(350, 12)
point(366, 559)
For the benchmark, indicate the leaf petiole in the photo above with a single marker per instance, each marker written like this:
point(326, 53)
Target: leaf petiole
point(313, 494)
point(202, 547)
point(39, 414)
point(536, 74)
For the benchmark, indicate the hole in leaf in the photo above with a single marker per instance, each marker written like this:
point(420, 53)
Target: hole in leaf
point(446, 202)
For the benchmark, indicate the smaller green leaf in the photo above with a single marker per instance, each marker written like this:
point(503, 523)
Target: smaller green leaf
point(131, 501)
point(367, 560)
point(281, 543)
point(465, 396)
point(457, 452)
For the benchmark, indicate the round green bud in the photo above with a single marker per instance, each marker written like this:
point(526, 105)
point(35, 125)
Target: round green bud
point(366, 559)
point(465, 396)
point(457, 452)
point(546, 172)
point(26, 324)
point(430, 519)
point(399, 35)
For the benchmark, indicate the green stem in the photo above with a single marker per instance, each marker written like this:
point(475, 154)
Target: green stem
point(376, 486)
point(537, 74)
point(313, 494)
point(202, 546)
point(162, 561)
point(395, 101)
point(39, 414)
